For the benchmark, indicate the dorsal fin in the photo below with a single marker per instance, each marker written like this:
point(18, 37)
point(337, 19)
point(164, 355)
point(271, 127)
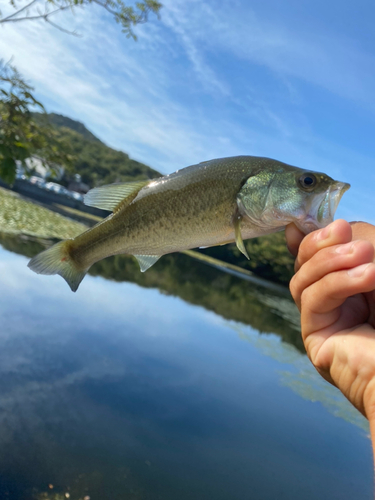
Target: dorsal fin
point(114, 196)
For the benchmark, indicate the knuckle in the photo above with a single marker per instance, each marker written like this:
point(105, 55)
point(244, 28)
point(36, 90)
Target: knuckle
point(304, 297)
point(297, 265)
point(306, 249)
point(294, 287)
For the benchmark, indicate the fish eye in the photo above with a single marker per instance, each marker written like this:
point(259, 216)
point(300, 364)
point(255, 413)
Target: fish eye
point(307, 181)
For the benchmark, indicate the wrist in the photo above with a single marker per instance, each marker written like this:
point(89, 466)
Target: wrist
point(370, 415)
point(369, 404)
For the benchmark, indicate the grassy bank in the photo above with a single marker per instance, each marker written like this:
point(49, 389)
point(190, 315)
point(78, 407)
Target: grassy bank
point(18, 215)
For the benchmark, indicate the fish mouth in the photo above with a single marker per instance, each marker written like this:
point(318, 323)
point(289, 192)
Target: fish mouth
point(330, 202)
point(323, 208)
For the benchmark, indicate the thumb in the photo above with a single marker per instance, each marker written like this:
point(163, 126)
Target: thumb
point(293, 238)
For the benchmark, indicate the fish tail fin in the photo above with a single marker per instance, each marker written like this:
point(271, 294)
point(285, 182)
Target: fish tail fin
point(57, 260)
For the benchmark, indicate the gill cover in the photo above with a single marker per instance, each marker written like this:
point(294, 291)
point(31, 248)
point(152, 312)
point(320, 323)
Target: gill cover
point(252, 200)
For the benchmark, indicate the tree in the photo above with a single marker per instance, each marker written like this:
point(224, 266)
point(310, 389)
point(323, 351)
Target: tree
point(127, 16)
point(20, 135)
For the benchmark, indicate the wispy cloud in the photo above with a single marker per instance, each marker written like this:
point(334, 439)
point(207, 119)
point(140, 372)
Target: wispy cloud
point(176, 18)
point(331, 60)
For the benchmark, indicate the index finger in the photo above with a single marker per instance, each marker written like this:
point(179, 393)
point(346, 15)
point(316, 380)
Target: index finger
point(336, 233)
point(363, 231)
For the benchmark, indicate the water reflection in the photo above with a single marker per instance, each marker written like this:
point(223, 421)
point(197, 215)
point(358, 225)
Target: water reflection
point(301, 377)
point(195, 282)
point(123, 392)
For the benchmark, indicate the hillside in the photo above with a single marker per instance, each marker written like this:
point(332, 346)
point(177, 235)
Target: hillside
point(64, 121)
point(97, 163)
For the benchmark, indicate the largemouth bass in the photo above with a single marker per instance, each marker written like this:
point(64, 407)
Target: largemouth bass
point(212, 203)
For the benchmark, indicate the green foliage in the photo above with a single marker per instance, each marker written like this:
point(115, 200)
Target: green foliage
point(269, 257)
point(20, 135)
point(127, 16)
point(97, 163)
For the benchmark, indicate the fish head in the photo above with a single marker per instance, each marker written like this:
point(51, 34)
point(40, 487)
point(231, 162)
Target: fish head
point(274, 199)
point(320, 198)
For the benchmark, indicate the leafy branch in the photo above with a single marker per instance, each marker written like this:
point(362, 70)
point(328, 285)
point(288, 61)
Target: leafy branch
point(21, 137)
point(126, 16)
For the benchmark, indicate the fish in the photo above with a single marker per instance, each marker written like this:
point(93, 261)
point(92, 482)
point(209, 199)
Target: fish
point(212, 203)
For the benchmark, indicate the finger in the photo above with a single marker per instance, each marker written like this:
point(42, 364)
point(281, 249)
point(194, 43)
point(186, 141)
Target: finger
point(336, 233)
point(363, 231)
point(329, 260)
point(321, 301)
point(293, 236)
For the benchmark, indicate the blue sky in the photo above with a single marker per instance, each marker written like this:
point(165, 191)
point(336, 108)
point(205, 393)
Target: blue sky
point(288, 80)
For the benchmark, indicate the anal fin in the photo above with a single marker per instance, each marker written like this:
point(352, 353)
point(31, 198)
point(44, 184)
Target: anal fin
point(146, 261)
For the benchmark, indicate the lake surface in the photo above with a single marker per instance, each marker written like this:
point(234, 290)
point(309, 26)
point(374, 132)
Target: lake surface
point(165, 387)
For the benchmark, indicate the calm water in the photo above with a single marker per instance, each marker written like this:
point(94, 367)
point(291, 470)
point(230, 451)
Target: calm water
point(122, 391)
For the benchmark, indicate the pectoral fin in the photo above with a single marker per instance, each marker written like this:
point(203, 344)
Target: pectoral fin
point(237, 233)
point(114, 196)
point(146, 261)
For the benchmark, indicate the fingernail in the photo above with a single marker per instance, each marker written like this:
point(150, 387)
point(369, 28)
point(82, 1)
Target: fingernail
point(347, 248)
point(356, 272)
point(323, 233)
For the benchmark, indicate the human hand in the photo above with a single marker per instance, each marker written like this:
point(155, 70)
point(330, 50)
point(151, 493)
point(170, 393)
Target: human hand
point(360, 231)
point(334, 289)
